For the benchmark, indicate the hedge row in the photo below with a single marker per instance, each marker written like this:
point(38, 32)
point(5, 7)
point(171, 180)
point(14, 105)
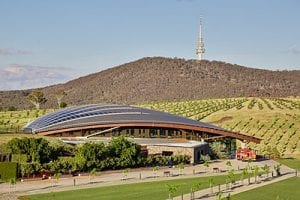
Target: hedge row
point(8, 171)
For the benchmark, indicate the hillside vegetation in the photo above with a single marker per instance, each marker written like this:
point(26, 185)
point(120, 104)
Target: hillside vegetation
point(275, 120)
point(165, 79)
point(13, 121)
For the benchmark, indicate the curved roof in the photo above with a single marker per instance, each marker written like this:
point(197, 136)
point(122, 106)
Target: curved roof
point(108, 115)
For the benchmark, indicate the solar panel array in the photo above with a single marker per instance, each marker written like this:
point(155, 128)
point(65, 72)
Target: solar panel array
point(98, 114)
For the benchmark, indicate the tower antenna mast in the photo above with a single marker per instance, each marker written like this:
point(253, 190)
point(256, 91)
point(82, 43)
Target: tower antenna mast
point(200, 47)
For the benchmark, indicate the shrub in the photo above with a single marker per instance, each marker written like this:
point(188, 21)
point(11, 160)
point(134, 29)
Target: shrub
point(38, 149)
point(19, 158)
point(12, 108)
point(159, 160)
point(63, 105)
point(8, 170)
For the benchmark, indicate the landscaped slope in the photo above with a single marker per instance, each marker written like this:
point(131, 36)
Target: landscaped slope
point(275, 120)
point(157, 79)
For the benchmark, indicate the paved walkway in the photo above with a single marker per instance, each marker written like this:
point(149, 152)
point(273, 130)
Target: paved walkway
point(117, 177)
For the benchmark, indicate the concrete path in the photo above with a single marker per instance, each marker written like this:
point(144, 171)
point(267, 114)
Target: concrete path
point(117, 177)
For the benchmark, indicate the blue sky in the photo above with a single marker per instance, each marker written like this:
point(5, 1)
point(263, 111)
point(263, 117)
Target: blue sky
point(61, 39)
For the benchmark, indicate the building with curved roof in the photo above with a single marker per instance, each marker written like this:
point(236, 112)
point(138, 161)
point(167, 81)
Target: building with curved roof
point(157, 132)
point(114, 120)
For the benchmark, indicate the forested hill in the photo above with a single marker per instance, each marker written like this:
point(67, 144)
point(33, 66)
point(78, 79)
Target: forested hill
point(158, 78)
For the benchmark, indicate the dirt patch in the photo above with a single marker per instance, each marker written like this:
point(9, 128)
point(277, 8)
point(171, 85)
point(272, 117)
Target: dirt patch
point(223, 119)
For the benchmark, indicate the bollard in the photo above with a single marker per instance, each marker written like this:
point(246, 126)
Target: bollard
point(140, 175)
point(219, 188)
point(74, 181)
point(181, 195)
point(193, 171)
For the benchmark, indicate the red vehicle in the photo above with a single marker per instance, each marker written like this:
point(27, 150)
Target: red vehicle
point(245, 154)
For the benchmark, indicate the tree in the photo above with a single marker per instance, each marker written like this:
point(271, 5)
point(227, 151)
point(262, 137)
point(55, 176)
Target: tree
point(59, 95)
point(57, 177)
point(211, 184)
point(38, 149)
point(266, 169)
point(124, 152)
point(231, 177)
point(245, 174)
point(195, 188)
point(36, 97)
point(92, 174)
point(125, 172)
point(26, 169)
point(79, 162)
point(255, 172)
point(205, 158)
point(180, 167)
point(90, 155)
point(228, 196)
point(249, 163)
point(228, 163)
point(219, 196)
point(155, 169)
point(277, 169)
point(13, 183)
point(217, 148)
point(172, 189)
point(206, 165)
point(273, 152)
point(63, 104)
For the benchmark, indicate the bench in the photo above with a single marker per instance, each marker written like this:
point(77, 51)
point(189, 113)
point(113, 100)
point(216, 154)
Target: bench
point(216, 169)
point(167, 173)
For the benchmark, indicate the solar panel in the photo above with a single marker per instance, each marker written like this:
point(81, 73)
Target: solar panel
point(106, 113)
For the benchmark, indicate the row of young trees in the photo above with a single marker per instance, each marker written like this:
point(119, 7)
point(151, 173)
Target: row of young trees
point(231, 178)
point(36, 154)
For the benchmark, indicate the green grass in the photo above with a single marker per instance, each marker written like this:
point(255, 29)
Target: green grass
point(283, 190)
point(291, 162)
point(147, 190)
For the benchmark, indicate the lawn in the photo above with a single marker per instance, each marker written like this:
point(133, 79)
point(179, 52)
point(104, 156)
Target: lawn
point(146, 190)
point(291, 162)
point(286, 189)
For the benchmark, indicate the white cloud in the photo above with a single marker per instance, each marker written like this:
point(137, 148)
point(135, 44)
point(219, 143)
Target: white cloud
point(16, 77)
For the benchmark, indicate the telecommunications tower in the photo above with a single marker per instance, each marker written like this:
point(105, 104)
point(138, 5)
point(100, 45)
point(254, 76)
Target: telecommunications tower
point(200, 47)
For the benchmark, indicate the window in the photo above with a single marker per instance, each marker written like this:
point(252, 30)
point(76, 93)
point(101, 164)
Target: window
point(153, 132)
point(167, 153)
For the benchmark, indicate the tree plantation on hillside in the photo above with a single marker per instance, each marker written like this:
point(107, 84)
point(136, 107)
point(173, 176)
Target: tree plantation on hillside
point(275, 120)
point(13, 121)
